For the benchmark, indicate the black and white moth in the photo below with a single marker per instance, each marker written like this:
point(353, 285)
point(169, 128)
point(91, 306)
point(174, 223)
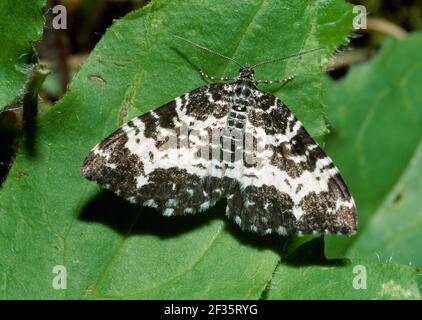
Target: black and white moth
point(227, 140)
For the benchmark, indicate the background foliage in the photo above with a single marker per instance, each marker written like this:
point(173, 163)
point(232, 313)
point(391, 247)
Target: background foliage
point(49, 215)
point(20, 28)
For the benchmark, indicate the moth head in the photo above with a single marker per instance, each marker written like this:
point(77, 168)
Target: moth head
point(246, 73)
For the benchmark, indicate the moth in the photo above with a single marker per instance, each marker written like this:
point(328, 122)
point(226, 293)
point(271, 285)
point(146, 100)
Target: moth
point(227, 140)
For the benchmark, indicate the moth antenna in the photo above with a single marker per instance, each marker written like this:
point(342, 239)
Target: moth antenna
point(286, 57)
point(208, 50)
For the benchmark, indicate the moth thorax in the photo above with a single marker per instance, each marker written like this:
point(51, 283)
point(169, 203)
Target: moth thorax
point(242, 96)
point(243, 89)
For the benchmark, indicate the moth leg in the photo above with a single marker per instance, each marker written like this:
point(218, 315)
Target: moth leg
point(206, 76)
point(283, 81)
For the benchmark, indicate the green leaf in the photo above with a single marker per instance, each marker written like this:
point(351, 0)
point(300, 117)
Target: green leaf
point(394, 231)
point(21, 26)
point(50, 215)
point(301, 278)
point(376, 117)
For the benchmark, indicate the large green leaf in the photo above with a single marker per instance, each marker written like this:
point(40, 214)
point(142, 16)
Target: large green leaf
point(377, 128)
point(302, 277)
point(394, 231)
point(51, 216)
point(21, 25)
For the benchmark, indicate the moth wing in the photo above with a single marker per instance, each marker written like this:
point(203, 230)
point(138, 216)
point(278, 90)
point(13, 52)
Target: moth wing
point(160, 159)
point(292, 187)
